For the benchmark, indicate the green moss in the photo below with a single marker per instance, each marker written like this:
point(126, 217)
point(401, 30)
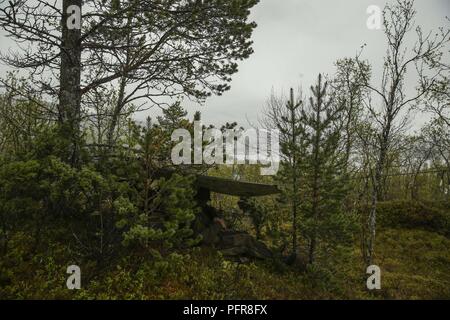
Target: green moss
point(415, 264)
point(414, 215)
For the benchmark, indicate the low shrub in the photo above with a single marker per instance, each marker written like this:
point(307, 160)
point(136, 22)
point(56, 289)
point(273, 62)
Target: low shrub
point(414, 215)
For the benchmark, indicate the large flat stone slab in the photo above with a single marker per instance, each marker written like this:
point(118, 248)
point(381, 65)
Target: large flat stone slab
point(236, 188)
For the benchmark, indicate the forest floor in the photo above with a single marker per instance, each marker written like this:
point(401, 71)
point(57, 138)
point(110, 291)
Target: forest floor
point(415, 264)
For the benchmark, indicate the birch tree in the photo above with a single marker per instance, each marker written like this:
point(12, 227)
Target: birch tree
point(390, 110)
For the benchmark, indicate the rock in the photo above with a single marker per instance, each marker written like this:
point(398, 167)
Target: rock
point(214, 232)
point(211, 230)
point(235, 243)
point(298, 260)
point(221, 223)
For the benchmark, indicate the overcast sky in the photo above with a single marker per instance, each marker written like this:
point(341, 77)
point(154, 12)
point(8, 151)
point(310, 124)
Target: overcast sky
point(294, 41)
point(297, 39)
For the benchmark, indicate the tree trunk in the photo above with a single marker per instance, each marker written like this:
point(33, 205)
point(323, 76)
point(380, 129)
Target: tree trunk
point(376, 191)
point(121, 96)
point(294, 180)
point(312, 249)
point(116, 113)
point(70, 78)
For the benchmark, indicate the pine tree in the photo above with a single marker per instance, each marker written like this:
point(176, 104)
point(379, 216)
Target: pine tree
point(167, 226)
point(166, 206)
point(174, 117)
point(323, 180)
point(287, 119)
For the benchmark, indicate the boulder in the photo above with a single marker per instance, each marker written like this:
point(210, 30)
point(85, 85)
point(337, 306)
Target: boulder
point(231, 243)
point(234, 243)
